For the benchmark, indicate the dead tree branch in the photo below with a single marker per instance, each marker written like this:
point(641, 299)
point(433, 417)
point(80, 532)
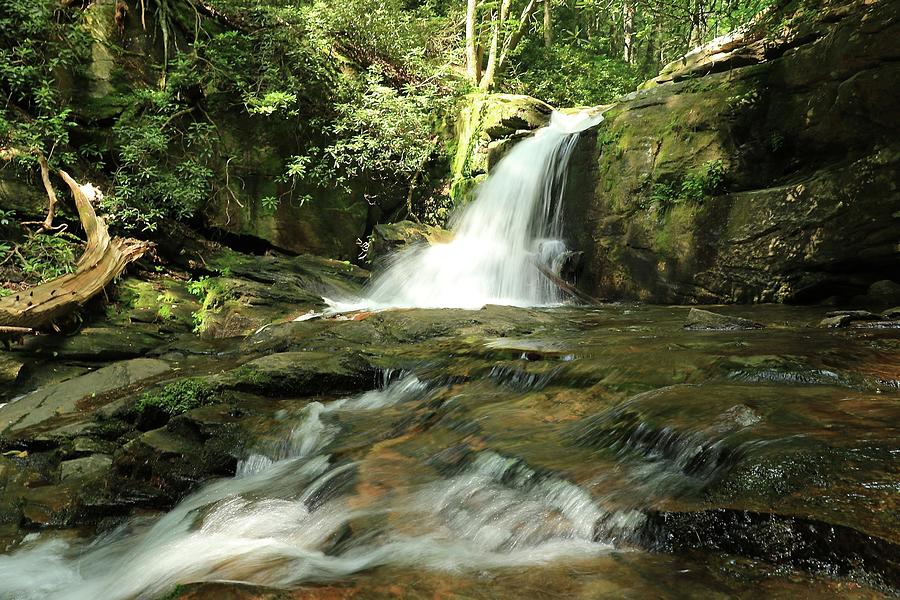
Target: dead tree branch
point(103, 260)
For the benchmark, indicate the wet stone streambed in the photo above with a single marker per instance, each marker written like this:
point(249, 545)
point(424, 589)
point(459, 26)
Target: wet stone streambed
point(572, 452)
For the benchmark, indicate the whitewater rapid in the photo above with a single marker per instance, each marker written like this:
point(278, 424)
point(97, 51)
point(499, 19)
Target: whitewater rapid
point(277, 521)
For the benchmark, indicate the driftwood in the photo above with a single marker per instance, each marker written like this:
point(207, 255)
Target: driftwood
point(566, 286)
point(47, 223)
point(103, 260)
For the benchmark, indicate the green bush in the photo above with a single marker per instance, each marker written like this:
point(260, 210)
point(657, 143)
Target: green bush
point(212, 293)
point(580, 74)
point(37, 40)
point(178, 397)
point(162, 161)
point(47, 256)
point(380, 135)
point(694, 187)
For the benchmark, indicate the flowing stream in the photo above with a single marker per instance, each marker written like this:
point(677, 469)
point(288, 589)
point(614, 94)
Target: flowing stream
point(501, 240)
point(280, 521)
point(529, 466)
point(527, 453)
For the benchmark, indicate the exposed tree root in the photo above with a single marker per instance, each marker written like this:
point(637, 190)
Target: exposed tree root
point(103, 260)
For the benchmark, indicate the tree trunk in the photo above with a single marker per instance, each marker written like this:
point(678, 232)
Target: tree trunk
point(510, 43)
point(103, 260)
point(473, 68)
point(51, 194)
point(548, 25)
point(697, 22)
point(487, 79)
point(628, 30)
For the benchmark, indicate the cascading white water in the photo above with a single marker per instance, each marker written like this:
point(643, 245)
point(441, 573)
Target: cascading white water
point(275, 523)
point(499, 240)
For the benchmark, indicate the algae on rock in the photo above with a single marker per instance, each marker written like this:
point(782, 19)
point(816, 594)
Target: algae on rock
point(485, 128)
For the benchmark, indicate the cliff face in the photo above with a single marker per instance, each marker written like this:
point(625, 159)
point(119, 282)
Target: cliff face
point(488, 125)
point(762, 168)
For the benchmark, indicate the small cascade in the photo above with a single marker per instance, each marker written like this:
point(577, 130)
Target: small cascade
point(286, 515)
point(501, 241)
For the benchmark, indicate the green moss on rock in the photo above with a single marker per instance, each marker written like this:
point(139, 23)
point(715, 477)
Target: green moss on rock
point(178, 397)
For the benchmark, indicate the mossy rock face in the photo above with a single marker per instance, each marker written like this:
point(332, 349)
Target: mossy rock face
point(20, 193)
point(773, 181)
point(391, 237)
point(295, 374)
point(120, 61)
point(248, 156)
point(162, 301)
point(252, 291)
point(67, 399)
point(305, 220)
point(485, 130)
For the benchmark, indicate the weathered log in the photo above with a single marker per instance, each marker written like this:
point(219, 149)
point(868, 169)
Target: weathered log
point(103, 260)
point(565, 286)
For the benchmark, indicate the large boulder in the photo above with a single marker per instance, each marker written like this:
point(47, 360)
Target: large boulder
point(763, 168)
point(76, 399)
point(252, 158)
point(388, 238)
point(20, 192)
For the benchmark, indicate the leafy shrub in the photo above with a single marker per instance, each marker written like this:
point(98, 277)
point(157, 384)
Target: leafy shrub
point(580, 74)
point(178, 397)
point(37, 40)
point(212, 292)
point(408, 40)
point(380, 134)
point(162, 166)
point(694, 187)
point(45, 256)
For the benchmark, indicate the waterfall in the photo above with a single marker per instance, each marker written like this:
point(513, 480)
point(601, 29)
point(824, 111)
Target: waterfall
point(500, 241)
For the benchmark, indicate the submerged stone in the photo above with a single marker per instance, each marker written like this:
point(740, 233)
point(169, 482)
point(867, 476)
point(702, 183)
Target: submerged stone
point(836, 321)
point(705, 320)
point(93, 466)
point(296, 374)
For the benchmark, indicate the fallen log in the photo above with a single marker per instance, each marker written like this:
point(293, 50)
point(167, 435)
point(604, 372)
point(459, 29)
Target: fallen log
point(565, 286)
point(103, 260)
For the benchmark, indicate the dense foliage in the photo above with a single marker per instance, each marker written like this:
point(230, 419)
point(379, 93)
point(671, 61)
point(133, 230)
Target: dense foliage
point(36, 43)
point(357, 93)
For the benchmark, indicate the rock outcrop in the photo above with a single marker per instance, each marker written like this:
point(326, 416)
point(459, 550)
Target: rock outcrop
point(487, 127)
point(761, 168)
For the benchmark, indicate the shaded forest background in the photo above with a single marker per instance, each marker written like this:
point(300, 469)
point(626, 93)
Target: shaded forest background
point(362, 91)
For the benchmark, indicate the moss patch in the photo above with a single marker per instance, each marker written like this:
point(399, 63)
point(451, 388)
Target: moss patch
point(178, 397)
